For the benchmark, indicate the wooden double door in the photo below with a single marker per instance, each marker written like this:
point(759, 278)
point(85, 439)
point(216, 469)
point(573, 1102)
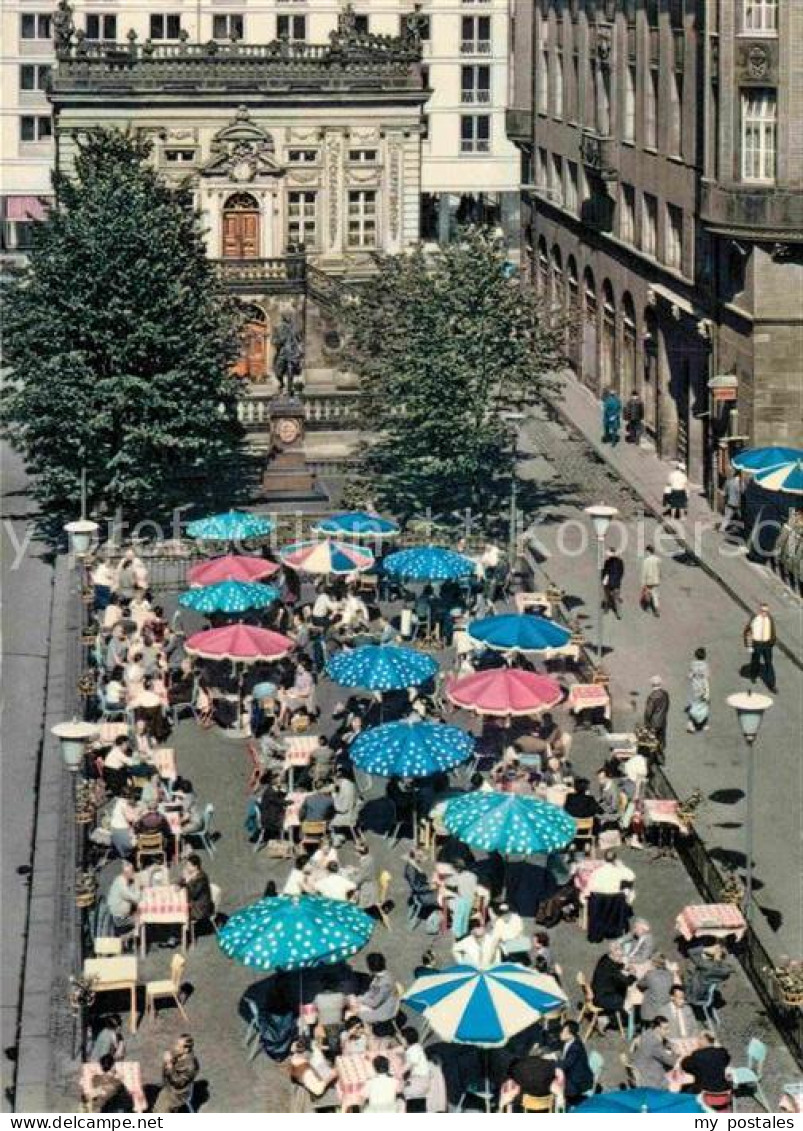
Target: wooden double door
point(241, 228)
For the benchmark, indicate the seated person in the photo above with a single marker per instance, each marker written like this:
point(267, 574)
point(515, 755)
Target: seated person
point(354, 1038)
point(272, 803)
point(122, 899)
point(152, 821)
point(346, 803)
point(653, 1056)
point(533, 1074)
point(418, 882)
point(581, 804)
point(330, 1006)
point(298, 881)
point(382, 1090)
point(707, 1065)
point(610, 983)
point(680, 1016)
point(380, 1002)
point(334, 885)
point(323, 762)
point(124, 815)
point(106, 1090)
point(199, 890)
point(312, 1075)
point(318, 806)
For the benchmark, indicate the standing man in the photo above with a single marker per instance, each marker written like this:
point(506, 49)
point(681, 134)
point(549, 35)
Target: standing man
point(573, 1061)
point(733, 501)
point(634, 417)
point(611, 418)
point(656, 712)
point(760, 638)
point(613, 571)
point(179, 1070)
point(651, 582)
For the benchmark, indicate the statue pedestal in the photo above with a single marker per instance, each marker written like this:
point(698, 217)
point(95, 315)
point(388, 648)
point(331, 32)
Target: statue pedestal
point(287, 477)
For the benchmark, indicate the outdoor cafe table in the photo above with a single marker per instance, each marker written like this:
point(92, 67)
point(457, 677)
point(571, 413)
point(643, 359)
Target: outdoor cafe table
point(589, 697)
point(115, 974)
point(354, 1070)
point(128, 1071)
point(720, 920)
point(299, 749)
point(160, 905)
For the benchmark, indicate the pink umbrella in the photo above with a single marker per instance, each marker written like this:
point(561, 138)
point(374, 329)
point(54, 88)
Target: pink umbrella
point(232, 567)
point(241, 643)
point(505, 691)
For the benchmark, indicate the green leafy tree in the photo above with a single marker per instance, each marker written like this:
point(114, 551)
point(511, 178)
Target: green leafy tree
point(445, 343)
point(119, 341)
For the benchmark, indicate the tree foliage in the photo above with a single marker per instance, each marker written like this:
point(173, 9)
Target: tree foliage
point(444, 344)
point(119, 341)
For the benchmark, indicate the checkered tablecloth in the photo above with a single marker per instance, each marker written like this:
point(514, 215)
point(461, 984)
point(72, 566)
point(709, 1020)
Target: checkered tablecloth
point(164, 905)
point(588, 696)
point(354, 1070)
point(300, 748)
point(164, 759)
point(128, 1071)
point(717, 919)
point(110, 731)
point(662, 812)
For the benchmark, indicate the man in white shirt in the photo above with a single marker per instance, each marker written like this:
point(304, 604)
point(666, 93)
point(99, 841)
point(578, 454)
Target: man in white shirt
point(608, 879)
point(508, 928)
point(760, 638)
point(122, 899)
point(347, 805)
point(476, 948)
point(651, 581)
point(334, 885)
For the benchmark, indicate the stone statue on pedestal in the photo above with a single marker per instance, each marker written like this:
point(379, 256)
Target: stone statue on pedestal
point(288, 359)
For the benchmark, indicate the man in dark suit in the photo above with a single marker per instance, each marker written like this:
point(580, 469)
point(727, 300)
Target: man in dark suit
point(609, 982)
point(533, 1074)
point(580, 803)
point(613, 571)
point(579, 1078)
point(707, 1065)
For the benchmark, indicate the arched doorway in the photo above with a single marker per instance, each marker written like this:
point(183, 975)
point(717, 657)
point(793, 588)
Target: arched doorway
point(589, 357)
point(241, 227)
point(253, 363)
point(608, 373)
point(629, 345)
point(575, 314)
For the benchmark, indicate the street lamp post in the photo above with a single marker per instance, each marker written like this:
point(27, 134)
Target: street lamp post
point(750, 709)
point(601, 517)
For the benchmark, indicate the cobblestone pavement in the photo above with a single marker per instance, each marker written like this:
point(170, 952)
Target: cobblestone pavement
point(566, 475)
point(219, 771)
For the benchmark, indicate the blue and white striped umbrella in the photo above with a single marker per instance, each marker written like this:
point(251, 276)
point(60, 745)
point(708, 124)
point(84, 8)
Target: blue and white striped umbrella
point(229, 597)
point(428, 563)
point(357, 524)
point(232, 526)
point(508, 823)
point(762, 459)
point(787, 478)
point(411, 749)
point(381, 667)
point(467, 1006)
point(293, 932)
point(512, 632)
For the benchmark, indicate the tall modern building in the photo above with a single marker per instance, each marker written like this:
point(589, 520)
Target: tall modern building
point(469, 167)
point(662, 197)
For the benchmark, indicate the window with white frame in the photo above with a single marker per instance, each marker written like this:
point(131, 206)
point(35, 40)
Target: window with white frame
point(475, 35)
point(651, 109)
point(35, 25)
point(302, 218)
point(165, 25)
point(475, 83)
point(302, 156)
point(228, 26)
point(293, 28)
point(34, 76)
point(361, 218)
point(629, 108)
point(101, 26)
point(649, 224)
point(673, 241)
point(475, 133)
point(759, 134)
point(363, 156)
point(36, 127)
point(760, 16)
point(627, 214)
point(557, 85)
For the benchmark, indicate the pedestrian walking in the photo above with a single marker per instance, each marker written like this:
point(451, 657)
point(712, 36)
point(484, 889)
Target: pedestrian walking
point(634, 418)
point(179, 1071)
point(676, 494)
point(651, 582)
point(611, 418)
point(656, 712)
point(698, 707)
point(613, 571)
point(733, 501)
point(760, 638)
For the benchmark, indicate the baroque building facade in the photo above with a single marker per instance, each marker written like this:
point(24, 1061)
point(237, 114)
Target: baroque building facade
point(304, 159)
point(662, 197)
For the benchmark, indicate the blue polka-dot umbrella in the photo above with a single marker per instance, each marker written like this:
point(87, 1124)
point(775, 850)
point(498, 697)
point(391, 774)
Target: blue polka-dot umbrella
point(294, 932)
point(229, 597)
point(232, 526)
point(508, 823)
point(411, 749)
point(381, 667)
point(428, 563)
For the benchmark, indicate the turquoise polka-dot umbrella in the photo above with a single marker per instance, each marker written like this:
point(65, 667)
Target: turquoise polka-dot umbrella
point(232, 526)
point(508, 823)
point(229, 597)
point(411, 749)
point(381, 667)
point(294, 932)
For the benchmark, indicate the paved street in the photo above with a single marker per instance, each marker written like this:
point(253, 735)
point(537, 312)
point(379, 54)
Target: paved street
point(569, 476)
point(27, 585)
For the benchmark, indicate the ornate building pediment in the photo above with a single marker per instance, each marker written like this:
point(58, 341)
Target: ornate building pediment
point(242, 151)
